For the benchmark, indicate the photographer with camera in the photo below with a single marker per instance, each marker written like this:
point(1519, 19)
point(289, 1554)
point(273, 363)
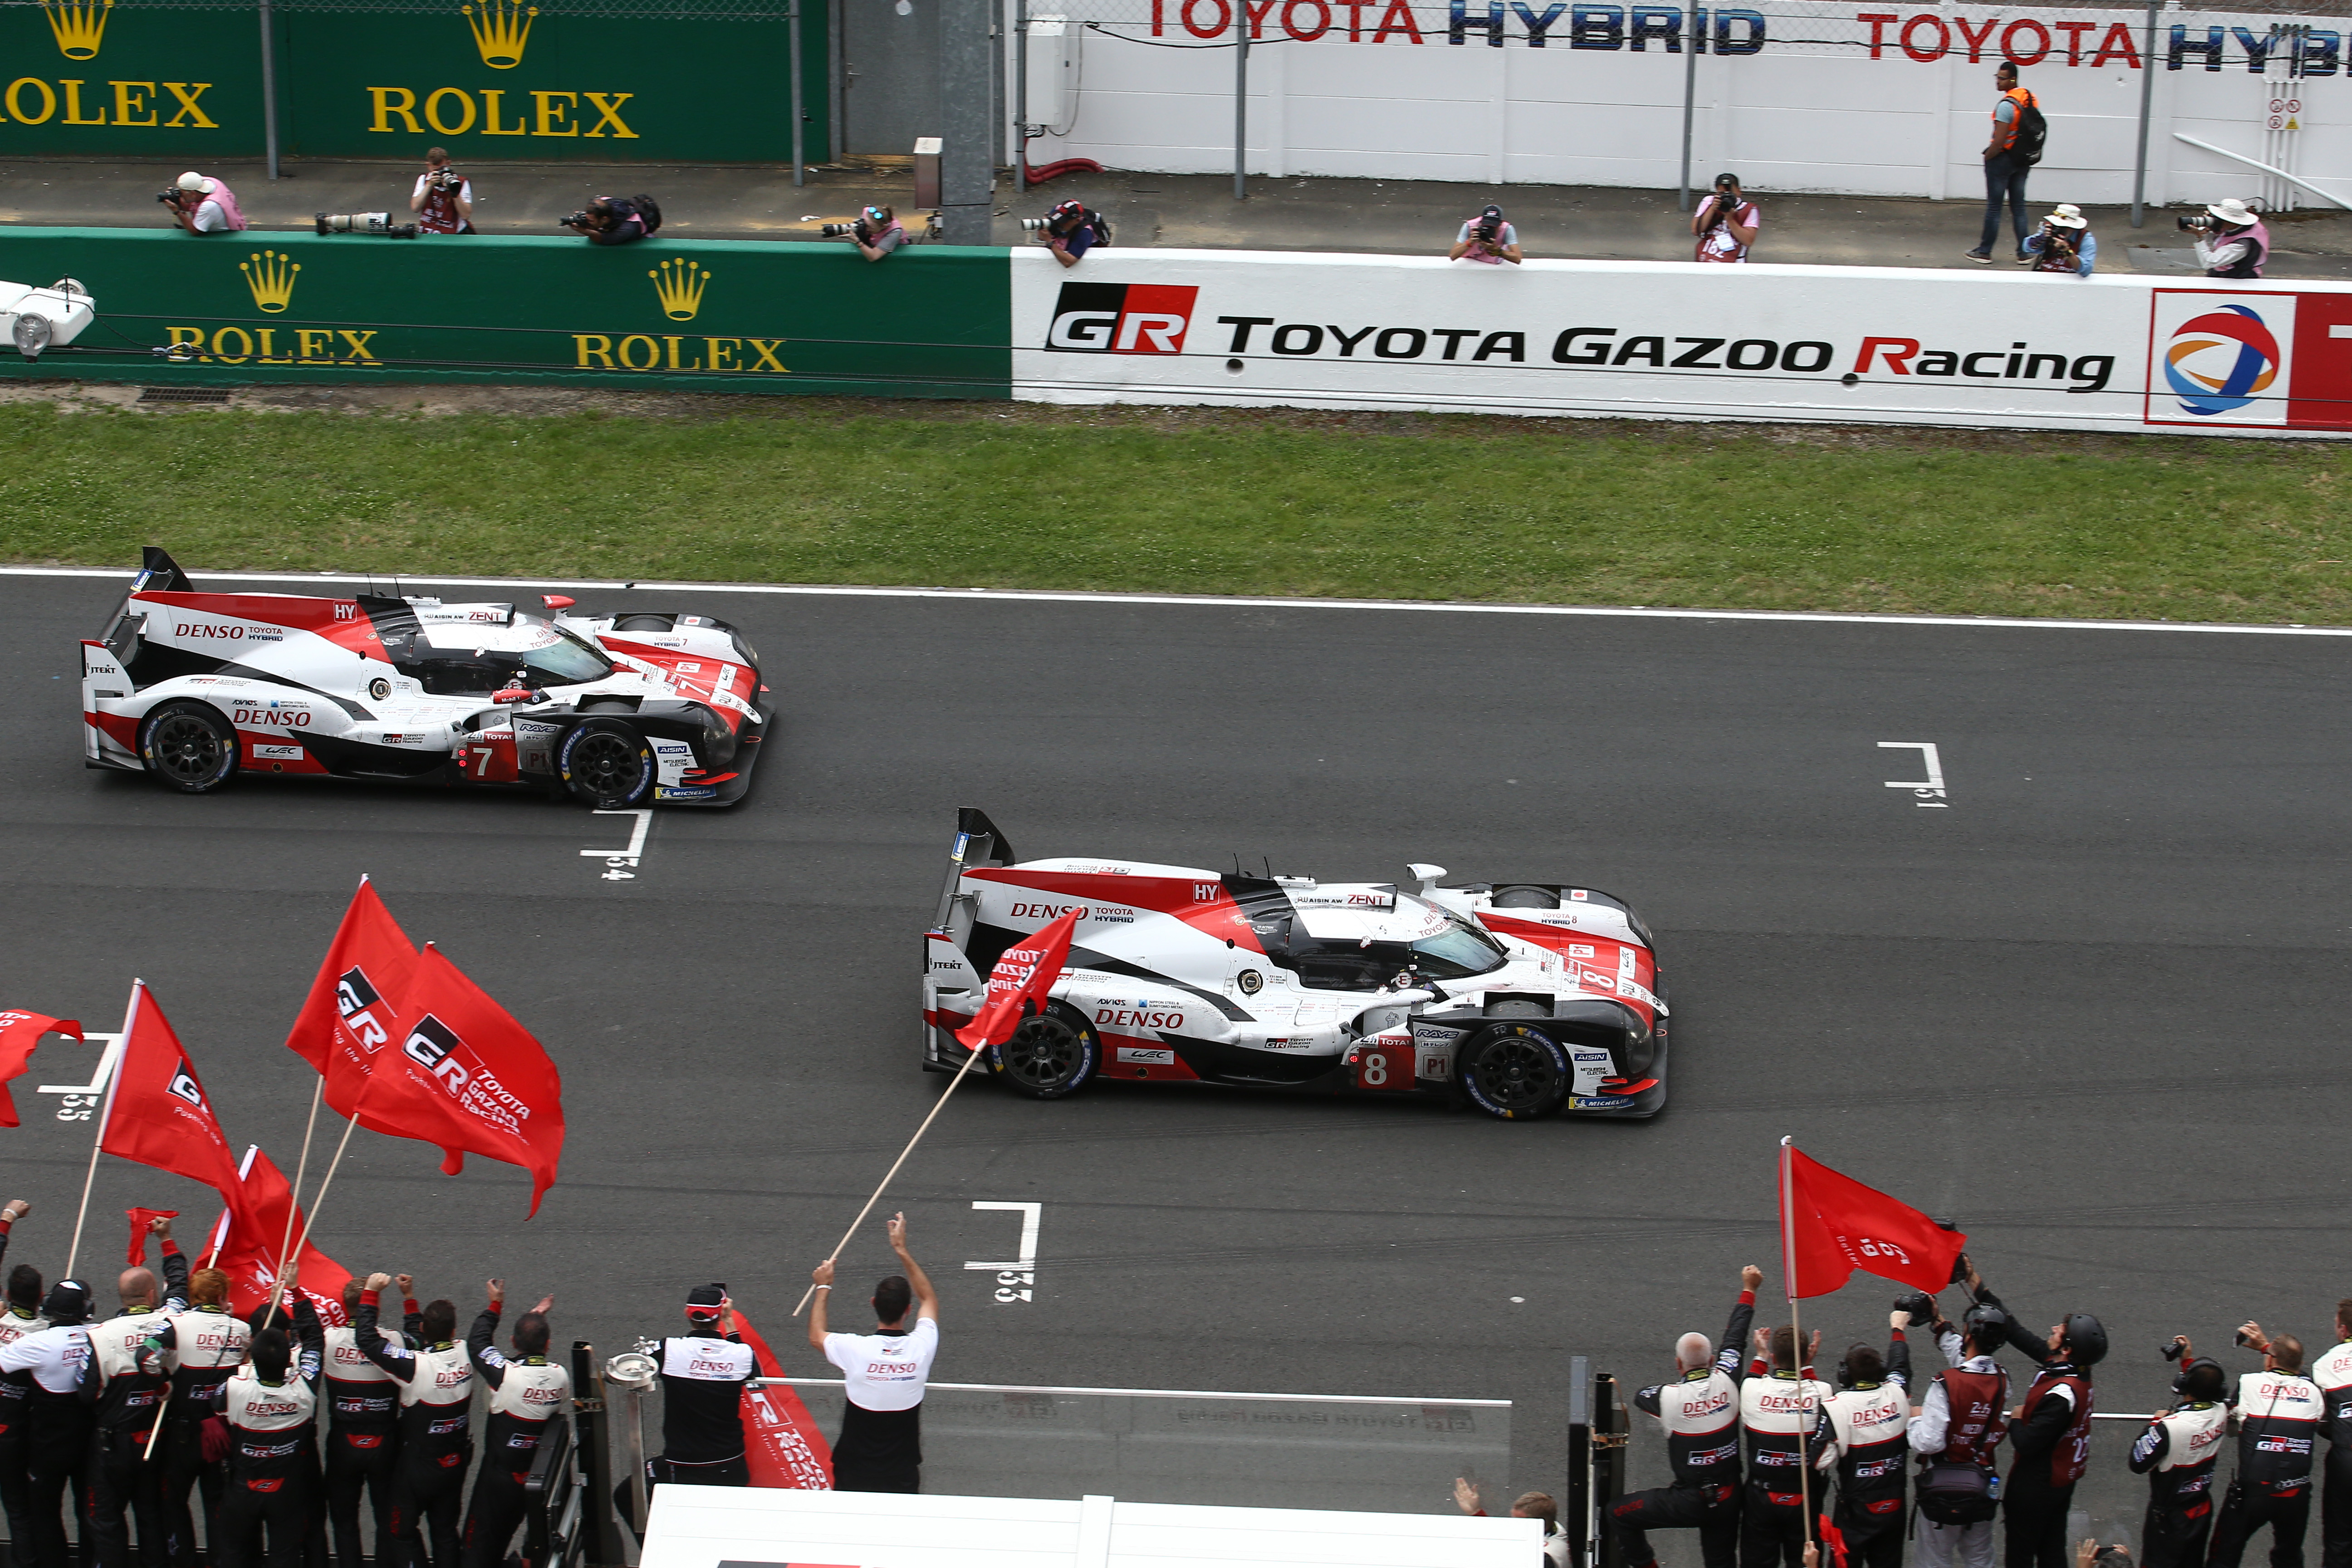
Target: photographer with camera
point(202, 206)
point(876, 233)
point(2177, 1453)
point(1726, 223)
point(2051, 1434)
point(1956, 1434)
point(2064, 243)
point(1486, 238)
point(614, 220)
point(2230, 239)
point(1068, 231)
point(444, 198)
point(2278, 1415)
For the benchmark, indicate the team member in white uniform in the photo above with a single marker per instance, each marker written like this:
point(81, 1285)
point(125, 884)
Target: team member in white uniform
point(210, 1341)
point(59, 1422)
point(2333, 1373)
point(703, 1373)
point(271, 1405)
point(2177, 1453)
point(363, 1434)
point(526, 1390)
point(1700, 1413)
point(19, 1315)
point(1779, 1422)
point(133, 1355)
point(2278, 1414)
point(1868, 1421)
point(436, 1401)
point(880, 1448)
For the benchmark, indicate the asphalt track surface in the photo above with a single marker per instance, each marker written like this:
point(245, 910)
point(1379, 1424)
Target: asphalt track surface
point(2092, 1008)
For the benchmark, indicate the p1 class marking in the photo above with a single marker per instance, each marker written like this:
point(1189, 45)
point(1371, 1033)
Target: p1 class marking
point(1016, 1280)
point(1930, 790)
point(617, 862)
point(82, 1099)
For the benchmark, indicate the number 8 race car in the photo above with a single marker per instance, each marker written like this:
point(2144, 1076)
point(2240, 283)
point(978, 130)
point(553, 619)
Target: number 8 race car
point(1522, 999)
point(620, 710)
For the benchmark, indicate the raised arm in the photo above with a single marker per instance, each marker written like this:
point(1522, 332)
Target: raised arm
point(1735, 1331)
point(175, 1268)
point(823, 1275)
point(478, 1339)
point(927, 1300)
point(13, 1211)
point(370, 1340)
point(313, 1337)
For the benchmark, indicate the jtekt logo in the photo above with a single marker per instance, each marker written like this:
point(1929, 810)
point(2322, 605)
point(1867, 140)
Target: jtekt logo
point(1121, 318)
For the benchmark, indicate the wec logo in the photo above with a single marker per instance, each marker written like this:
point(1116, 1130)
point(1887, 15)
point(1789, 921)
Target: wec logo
point(1121, 318)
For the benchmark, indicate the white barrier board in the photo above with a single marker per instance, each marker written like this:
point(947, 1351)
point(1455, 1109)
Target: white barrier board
point(1661, 340)
point(730, 1527)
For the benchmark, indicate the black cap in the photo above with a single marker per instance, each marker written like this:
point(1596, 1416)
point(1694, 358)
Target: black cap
point(1720, 180)
point(703, 1299)
point(1493, 212)
point(67, 1303)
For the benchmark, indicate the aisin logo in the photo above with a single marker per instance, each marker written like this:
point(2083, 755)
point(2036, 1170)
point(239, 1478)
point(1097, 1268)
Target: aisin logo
point(78, 26)
point(679, 284)
point(1121, 318)
point(2220, 361)
point(270, 276)
point(501, 29)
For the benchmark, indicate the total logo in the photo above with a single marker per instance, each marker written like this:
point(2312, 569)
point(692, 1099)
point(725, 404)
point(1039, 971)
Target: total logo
point(2221, 361)
point(1121, 318)
point(2246, 358)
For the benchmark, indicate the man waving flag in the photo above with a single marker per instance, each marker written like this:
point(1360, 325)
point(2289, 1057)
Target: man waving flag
point(1017, 986)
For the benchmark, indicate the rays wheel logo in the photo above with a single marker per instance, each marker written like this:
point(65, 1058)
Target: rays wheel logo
point(678, 285)
point(78, 26)
point(2221, 361)
point(270, 276)
point(501, 29)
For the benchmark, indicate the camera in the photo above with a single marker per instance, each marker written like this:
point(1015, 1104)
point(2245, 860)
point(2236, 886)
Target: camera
point(2197, 223)
point(2170, 1349)
point(581, 219)
point(379, 224)
point(1485, 232)
point(171, 198)
point(836, 230)
point(445, 179)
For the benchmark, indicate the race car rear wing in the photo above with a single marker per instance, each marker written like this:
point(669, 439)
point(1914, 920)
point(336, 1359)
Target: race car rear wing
point(978, 842)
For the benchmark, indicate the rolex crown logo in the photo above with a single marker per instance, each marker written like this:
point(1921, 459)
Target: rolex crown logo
point(679, 283)
point(78, 26)
point(270, 276)
point(501, 28)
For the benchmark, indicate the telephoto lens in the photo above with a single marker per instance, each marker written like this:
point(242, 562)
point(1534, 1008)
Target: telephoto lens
point(2197, 224)
point(378, 224)
point(836, 230)
point(1032, 224)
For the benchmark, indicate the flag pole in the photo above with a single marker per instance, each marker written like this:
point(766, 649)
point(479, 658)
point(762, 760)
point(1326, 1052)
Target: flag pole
point(901, 1160)
point(310, 1215)
point(301, 1168)
point(129, 1014)
point(1797, 1338)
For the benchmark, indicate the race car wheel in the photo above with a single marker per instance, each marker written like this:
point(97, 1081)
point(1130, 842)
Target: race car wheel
point(189, 746)
point(1524, 898)
point(1516, 1072)
point(606, 763)
point(1050, 1055)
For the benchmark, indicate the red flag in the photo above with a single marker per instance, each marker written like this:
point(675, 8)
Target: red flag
point(1834, 1539)
point(138, 1219)
point(1025, 973)
point(19, 1033)
point(468, 1078)
point(787, 1448)
point(1832, 1225)
point(246, 1240)
point(354, 1005)
point(156, 1113)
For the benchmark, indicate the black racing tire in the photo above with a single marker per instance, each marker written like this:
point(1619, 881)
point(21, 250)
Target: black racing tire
point(641, 623)
point(189, 746)
point(1515, 1072)
point(1049, 1056)
point(1522, 897)
point(607, 764)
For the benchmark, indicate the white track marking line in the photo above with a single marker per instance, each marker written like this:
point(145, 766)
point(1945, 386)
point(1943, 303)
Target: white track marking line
point(82, 1099)
point(1930, 790)
point(1216, 600)
point(1016, 1280)
point(618, 862)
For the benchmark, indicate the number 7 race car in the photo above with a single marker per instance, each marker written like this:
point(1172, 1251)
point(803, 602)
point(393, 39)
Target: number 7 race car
point(1522, 999)
point(620, 710)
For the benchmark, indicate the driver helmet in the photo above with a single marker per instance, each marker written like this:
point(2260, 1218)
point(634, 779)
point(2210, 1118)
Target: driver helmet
point(2086, 1339)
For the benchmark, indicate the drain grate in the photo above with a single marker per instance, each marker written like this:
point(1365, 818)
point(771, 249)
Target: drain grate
point(182, 395)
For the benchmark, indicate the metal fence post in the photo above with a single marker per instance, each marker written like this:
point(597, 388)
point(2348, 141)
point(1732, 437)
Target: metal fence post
point(270, 86)
point(1241, 99)
point(1021, 97)
point(1690, 97)
point(800, 164)
point(2146, 95)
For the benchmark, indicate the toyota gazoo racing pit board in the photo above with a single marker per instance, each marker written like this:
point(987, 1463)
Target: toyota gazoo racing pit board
point(1523, 999)
point(618, 710)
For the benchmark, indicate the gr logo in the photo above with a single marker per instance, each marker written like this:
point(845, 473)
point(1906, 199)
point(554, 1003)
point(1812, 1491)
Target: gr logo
point(1121, 318)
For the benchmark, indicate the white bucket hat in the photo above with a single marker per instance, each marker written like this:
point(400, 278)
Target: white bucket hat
point(2235, 212)
point(2066, 214)
point(191, 180)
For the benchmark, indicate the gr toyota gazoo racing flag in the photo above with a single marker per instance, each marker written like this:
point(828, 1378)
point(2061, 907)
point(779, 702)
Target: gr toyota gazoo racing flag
point(157, 1113)
point(466, 1065)
point(245, 1244)
point(19, 1033)
point(1831, 1225)
point(1025, 973)
point(344, 1022)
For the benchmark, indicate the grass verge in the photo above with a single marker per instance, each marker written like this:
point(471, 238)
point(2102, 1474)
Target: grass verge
point(1382, 506)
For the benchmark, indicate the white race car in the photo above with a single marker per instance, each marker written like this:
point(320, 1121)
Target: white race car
point(1522, 999)
point(618, 710)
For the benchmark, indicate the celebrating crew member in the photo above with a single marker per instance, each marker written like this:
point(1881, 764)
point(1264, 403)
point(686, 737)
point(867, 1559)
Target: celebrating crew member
point(20, 1316)
point(1780, 1418)
point(363, 1436)
point(1869, 1445)
point(880, 1448)
point(132, 1358)
point(1957, 1432)
point(442, 200)
point(2051, 1433)
point(1700, 1413)
point(273, 1441)
point(2278, 1415)
point(703, 1372)
point(2332, 1373)
point(208, 1341)
point(525, 1390)
point(58, 1422)
point(2177, 1453)
point(437, 1396)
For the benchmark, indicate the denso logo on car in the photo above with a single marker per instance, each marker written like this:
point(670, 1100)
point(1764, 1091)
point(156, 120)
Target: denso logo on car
point(272, 717)
point(1045, 911)
point(208, 629)
point(1138, 1018)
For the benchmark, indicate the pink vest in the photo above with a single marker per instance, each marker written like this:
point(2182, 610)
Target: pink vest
point(228, 198)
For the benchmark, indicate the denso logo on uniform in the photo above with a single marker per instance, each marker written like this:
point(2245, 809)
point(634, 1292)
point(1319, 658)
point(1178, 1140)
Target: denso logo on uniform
point(1121, 318)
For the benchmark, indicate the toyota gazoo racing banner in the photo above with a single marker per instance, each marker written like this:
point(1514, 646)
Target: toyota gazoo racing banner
point(1635, 339)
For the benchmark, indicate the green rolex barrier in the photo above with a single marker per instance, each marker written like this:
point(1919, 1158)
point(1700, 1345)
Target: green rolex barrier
point(706, 316)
